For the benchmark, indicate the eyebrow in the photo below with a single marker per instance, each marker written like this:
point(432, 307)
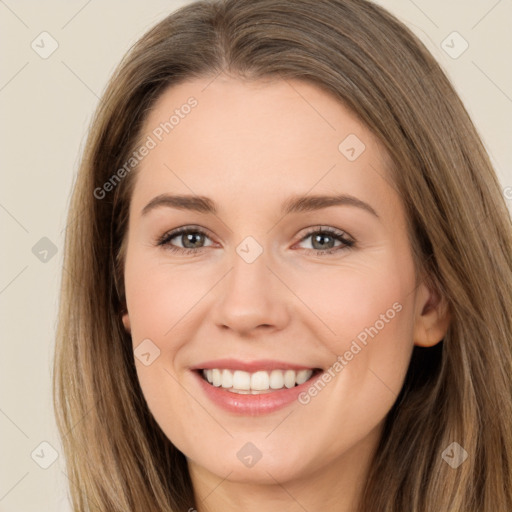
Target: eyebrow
point(294, 204)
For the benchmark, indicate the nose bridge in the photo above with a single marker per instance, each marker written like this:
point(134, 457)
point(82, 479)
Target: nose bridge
point(249, 268)
point(250, 295)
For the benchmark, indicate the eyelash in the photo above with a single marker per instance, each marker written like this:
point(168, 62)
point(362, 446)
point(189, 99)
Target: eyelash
point(165, 239)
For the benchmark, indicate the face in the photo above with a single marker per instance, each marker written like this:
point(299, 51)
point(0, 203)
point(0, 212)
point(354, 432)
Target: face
point(273, 335)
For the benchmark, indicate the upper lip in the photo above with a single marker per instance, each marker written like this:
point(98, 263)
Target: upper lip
point(250, 366)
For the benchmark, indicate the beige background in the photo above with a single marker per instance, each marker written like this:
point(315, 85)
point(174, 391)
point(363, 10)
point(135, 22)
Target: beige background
point(47, 105)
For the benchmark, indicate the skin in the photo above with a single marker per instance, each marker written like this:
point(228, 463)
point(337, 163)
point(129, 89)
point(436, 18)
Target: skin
point(249, 146)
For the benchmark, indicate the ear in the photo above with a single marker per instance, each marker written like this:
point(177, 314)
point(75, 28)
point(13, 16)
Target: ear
point(126, 322)
point(432, 317)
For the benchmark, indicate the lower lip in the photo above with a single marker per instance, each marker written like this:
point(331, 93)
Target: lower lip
point(253, 405)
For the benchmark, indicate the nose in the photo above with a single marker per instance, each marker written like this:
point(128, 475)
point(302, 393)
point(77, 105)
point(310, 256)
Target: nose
point(251, 298)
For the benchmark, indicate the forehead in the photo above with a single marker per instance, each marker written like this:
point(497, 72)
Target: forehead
point(237, 140)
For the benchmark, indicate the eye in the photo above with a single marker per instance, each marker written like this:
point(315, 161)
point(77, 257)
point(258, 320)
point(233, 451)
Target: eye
point(190, 237)
point(324, 238)
point(192, 240)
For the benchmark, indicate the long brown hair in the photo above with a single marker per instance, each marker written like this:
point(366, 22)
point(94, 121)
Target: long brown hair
point(460, 390)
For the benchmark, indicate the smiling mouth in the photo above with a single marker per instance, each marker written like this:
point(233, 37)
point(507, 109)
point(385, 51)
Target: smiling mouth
point(259, 382)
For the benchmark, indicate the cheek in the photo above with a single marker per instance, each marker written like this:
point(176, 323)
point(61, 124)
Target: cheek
point(165, 304)
point(158, 300)
point(367, 313)
point(363, 302)
point(371, 353)
point(159, 297)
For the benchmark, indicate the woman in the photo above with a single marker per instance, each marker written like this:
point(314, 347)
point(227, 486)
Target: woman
point(215, 351)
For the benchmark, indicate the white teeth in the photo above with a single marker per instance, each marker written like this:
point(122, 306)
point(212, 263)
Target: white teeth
point(302, 376)
point(259, 381)
point(227, 379)
point(276, 379)
point(216, 377)
point(242, 382)
point(289, 378)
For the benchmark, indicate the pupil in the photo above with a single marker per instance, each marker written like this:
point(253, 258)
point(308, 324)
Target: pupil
point(319, 237)
point(189, 238)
